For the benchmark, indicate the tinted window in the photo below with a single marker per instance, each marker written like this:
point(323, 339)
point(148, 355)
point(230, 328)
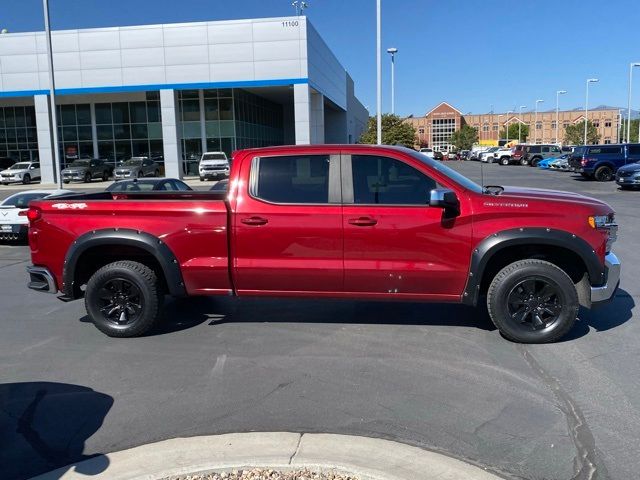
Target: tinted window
point(36, 165)
point(604, 150)
point(555, 149)
point(385, 181)
point(545, 149)
point(634, 150)
point(295, 179)
point(534, 149)
point(180, 186)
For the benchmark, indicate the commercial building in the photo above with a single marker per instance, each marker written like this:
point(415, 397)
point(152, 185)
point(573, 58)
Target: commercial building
point(174, 90)
point(434, 129)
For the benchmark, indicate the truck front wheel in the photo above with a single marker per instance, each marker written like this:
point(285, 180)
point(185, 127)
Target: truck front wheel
point(123, 299)
point(533, 301)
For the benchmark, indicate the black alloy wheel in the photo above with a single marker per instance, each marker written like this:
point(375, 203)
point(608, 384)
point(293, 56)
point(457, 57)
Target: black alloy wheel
point(120, 302)
point(603, 174)
point(534, 303)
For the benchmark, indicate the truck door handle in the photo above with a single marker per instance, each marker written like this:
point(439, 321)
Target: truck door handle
point(255, 221)
point(363, 221)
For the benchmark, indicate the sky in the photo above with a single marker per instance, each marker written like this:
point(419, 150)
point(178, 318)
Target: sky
point(472, 54)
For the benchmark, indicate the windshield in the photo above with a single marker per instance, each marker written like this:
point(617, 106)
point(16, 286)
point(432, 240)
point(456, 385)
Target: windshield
point(449, 172)
point(214, 156)
point(79, 163)
point(133, 162)
point(19, 166)
point(22, 200)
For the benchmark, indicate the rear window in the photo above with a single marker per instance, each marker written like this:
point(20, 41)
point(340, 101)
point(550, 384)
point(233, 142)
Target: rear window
point(534, 149)
point(634, 150)
point(291, 179)
point(604, 150)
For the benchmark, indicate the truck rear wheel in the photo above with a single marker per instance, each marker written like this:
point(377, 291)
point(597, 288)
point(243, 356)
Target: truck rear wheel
point(603, 174)
point(123, 299)
point(533, 301)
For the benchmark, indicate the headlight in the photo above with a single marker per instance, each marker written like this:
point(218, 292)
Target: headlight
point(607, 224)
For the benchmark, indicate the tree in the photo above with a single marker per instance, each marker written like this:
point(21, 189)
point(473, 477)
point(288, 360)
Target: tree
point(513, 132)
point(464, 138)
point(394, 131)
point(633, 132)
point(574, 134)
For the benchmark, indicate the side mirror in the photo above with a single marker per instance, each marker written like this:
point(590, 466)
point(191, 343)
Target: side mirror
point(446, 199)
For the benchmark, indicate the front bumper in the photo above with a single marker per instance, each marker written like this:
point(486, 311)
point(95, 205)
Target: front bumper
point(214, 173)
point(123, 176)
point(41, 280)
point(605, 293)
point(628, 180)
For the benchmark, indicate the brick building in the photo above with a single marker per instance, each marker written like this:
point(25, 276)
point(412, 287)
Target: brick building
point(434, 129)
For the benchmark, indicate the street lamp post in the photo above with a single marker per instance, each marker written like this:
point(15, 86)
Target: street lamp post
point(558, 93)
point(631, 65)
point(506, 126)
point(520, 124)
point(392, 52)
point(52, 95)
point(379, 73)
point(586, 107)
point(535, 129)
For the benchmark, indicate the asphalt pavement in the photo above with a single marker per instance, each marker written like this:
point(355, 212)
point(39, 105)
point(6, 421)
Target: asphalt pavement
point(434, 376)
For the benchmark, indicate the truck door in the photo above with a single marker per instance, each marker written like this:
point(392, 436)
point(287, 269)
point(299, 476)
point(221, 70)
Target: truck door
point(288, 226)
point(395, 244)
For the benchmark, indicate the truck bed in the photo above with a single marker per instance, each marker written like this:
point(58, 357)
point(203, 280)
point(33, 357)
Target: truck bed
point(192, 225)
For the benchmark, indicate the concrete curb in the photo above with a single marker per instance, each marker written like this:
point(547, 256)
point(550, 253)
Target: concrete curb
point(368, 458)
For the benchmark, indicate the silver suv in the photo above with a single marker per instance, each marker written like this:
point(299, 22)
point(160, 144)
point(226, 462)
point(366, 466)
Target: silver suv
point(137, 167)
point(87, 170)
point(534, 153)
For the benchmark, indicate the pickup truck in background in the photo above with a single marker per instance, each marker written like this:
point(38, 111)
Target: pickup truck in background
point(601, 162)
point(341, 221)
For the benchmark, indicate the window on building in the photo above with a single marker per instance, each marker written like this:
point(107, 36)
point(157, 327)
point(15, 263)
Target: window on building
point(386, 181)
point(553, 124)
point(485, 128)
point(421, 131)
point(495, 127)
point(565, 124)
point(607, 123)
point(607, 140)
point(18, 136)
point(292, 179)
point(596, 124)
point(539, 126)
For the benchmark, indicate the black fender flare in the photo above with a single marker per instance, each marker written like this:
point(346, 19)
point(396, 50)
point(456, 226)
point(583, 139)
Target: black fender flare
point(491, 245)
point(122, 236)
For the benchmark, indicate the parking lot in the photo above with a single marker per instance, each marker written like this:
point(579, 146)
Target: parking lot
point(434, 376)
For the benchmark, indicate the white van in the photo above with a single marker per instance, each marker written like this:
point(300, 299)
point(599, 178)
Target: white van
point(213, 165)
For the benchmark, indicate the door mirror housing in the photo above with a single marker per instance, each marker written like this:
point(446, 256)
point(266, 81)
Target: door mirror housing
point(446, 199)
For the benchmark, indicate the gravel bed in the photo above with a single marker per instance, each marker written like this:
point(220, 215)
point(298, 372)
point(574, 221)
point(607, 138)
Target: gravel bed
point(269, 474)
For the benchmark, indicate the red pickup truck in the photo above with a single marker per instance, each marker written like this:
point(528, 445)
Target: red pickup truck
point(345, 221)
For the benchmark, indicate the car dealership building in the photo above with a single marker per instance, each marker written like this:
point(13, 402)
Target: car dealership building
point(174, 90)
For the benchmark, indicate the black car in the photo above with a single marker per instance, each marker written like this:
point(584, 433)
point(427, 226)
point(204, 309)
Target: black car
point(220, 186)
point(438, 155)
point(149, 185)
point(628, 176)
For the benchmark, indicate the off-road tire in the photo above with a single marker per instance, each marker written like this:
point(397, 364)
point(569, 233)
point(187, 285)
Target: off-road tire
point(144, 279)
point(509, 278)
point(603, 174)
point(504, 161)
point(524, 162)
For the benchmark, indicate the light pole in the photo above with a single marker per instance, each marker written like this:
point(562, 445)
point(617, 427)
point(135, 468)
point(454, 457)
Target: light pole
point(392, 52)
point(52, 95)
point(631, 65)
point(379, 74)
point(520, 124)
point(535, 135)
point(506, 127)
point(586, 107)
point(619, 125)
point(558, 93)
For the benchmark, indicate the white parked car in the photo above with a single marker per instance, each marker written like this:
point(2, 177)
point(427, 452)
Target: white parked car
point(14, 226)
point(487, 155)
point(503, 155)
point(24, 172)
point(213, 165)
point(427, 151)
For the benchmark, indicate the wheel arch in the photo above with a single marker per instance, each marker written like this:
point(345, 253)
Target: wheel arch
point(566, 250)
point(97, 248)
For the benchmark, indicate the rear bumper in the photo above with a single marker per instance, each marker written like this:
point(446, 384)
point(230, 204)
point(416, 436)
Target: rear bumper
point(41, 280)
point(605, 293)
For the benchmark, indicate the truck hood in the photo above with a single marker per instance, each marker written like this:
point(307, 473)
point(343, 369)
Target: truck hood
point(521, 194)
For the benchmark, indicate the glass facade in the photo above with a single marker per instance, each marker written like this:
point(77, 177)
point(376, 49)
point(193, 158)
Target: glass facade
point(74, 132)
point(18, 135)
point(233, 119)
point(441, 131)
point(127, 129)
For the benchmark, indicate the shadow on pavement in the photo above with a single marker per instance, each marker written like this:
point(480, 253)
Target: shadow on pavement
point(217, 310)
point(605, 317)
point(44, 426)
